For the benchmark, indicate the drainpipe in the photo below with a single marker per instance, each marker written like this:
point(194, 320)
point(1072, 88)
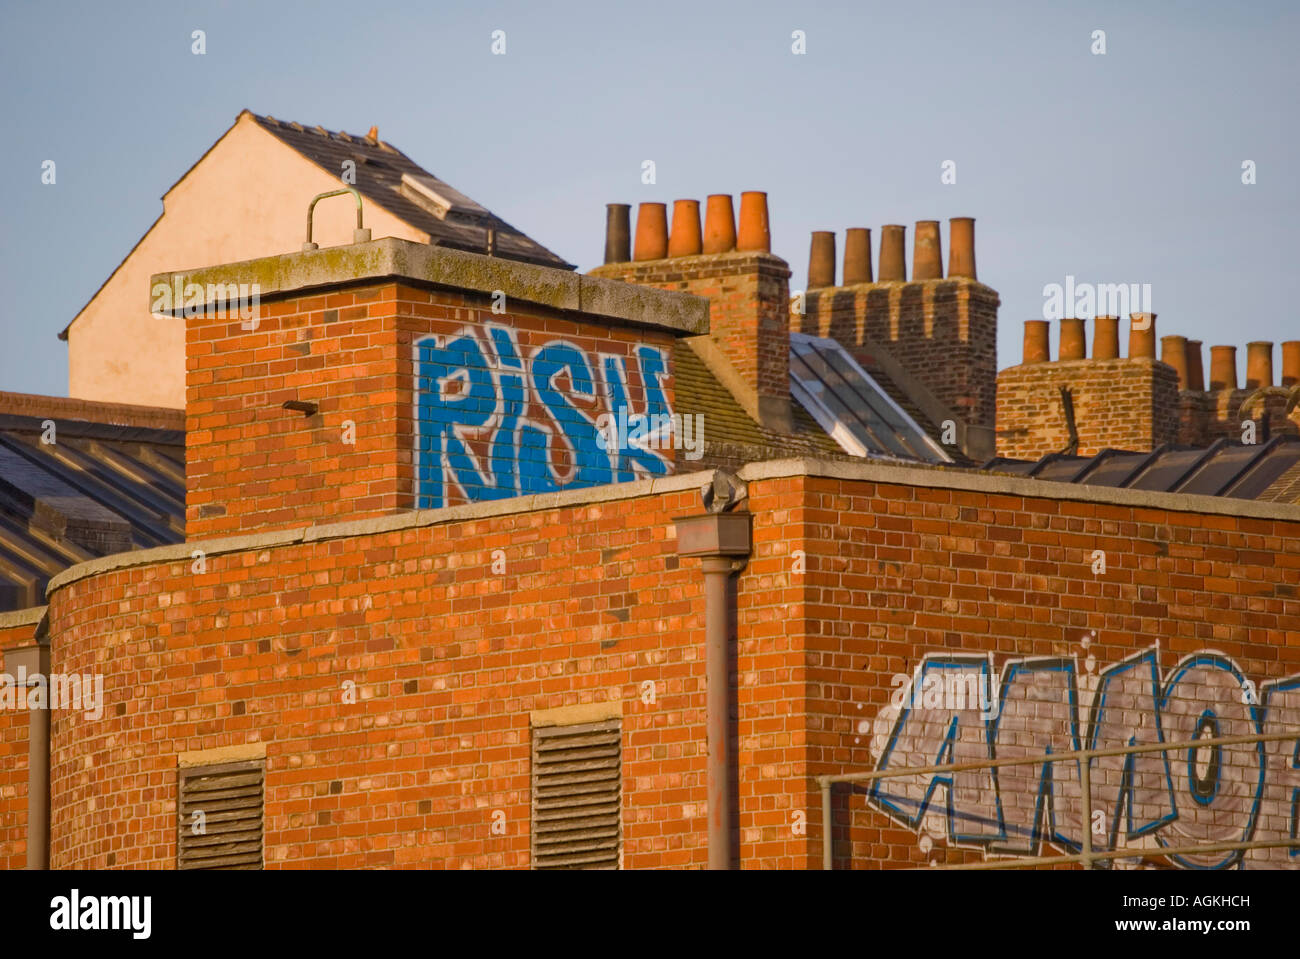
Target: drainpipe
point(722, 541)
point(35, 660)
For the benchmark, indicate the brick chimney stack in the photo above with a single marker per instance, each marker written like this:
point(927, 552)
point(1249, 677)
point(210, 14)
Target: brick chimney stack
point(1128, 403)
point(941, 333)
point(379, 377)
point(748, 289)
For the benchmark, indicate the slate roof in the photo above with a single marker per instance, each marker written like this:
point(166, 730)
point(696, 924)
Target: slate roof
point(97, 489)
point(1266, 471)
point(379, 169)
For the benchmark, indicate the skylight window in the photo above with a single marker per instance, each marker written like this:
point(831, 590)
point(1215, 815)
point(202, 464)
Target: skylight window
point(850, 406)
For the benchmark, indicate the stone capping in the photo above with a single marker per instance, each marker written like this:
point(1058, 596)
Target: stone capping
point(421, 263)
point(412, 519)
point(729, 262)
point(936, 477)
point(983, 481)
point(22, 617)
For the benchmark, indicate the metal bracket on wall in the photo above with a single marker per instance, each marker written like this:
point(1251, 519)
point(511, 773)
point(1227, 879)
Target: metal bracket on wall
point(359, 235)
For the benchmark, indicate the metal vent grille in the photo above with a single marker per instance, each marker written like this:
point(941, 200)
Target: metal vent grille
point(219, 822)
point(577, 795)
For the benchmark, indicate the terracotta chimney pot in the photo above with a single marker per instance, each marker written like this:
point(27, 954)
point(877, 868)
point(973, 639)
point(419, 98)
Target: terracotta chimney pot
point(1036, 348)
point(685, 239)
point(927, 251)
point(892, 266)
point(821, 260)
point(857, 256)
point(1105, 338)
point(754, 233)
point(651, 232)
point(719, 224)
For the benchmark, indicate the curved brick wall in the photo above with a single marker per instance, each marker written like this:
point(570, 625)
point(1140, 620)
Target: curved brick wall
point(859, 575)
point(448, 659)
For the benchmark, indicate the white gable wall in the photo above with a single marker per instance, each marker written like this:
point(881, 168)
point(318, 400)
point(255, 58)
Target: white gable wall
point(246, 198)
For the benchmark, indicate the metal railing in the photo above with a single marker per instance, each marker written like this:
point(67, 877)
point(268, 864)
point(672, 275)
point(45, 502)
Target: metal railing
point(1086, 856)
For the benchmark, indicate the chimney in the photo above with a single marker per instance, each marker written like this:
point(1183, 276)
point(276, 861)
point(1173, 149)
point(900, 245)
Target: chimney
point(403, 316)
point(857, 256)
point(941, 334)
point(651, 232)
point(1173, 352)
point(754, 233)
point(1036, 342)
point(1073, 345)
point(892, 267)
point(1105, 338)
point(1259, 365)
point(821, 260)
point(927, 252)
point(748, 291)
point(961, 247)
point(618, 232)
point(1291, 363)
point(1142, 336)
point(1223, 368)
point(719, 224)
point(685, 239)
point(1195, 367)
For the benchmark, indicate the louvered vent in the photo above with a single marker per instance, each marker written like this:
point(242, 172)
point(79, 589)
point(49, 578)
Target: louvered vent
point(220, 816)
point(577, 779)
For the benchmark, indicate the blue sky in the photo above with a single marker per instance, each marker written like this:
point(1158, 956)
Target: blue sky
point(1122, 168)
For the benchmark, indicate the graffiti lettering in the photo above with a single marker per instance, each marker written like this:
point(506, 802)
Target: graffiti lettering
point(492, 424)
point(1186, 797)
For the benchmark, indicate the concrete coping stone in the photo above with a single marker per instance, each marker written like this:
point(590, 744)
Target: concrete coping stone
point(22, 617)
point(932, 477)
point(421, 263)
point(938, 477)
point(539, 502)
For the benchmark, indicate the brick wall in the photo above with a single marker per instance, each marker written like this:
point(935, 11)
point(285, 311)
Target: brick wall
point(1127, 404)
point(252, 464)
point(943, 332)
point(749, 296)
point(853, 583)
point(898, 573)
point(447, 656)
point(13, 761)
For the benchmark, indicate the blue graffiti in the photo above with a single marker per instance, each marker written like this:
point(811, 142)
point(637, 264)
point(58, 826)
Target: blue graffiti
point(474, 435)
point(1206, 795)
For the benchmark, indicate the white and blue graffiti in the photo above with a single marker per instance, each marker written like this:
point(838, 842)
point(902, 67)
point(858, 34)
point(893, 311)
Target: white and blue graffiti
point(1155, 800)
point(492, 423)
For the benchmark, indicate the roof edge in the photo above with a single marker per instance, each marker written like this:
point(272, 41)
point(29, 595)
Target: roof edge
point(962, 478)
point(390, 257)
point(63, 334)
point(412, 519)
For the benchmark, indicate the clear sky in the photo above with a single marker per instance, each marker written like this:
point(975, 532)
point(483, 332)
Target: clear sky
point(1119, 168)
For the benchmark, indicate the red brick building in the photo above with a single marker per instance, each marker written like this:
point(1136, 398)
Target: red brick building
point(425, 614)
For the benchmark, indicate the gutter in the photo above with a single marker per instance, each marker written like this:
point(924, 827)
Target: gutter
point(36, 661)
